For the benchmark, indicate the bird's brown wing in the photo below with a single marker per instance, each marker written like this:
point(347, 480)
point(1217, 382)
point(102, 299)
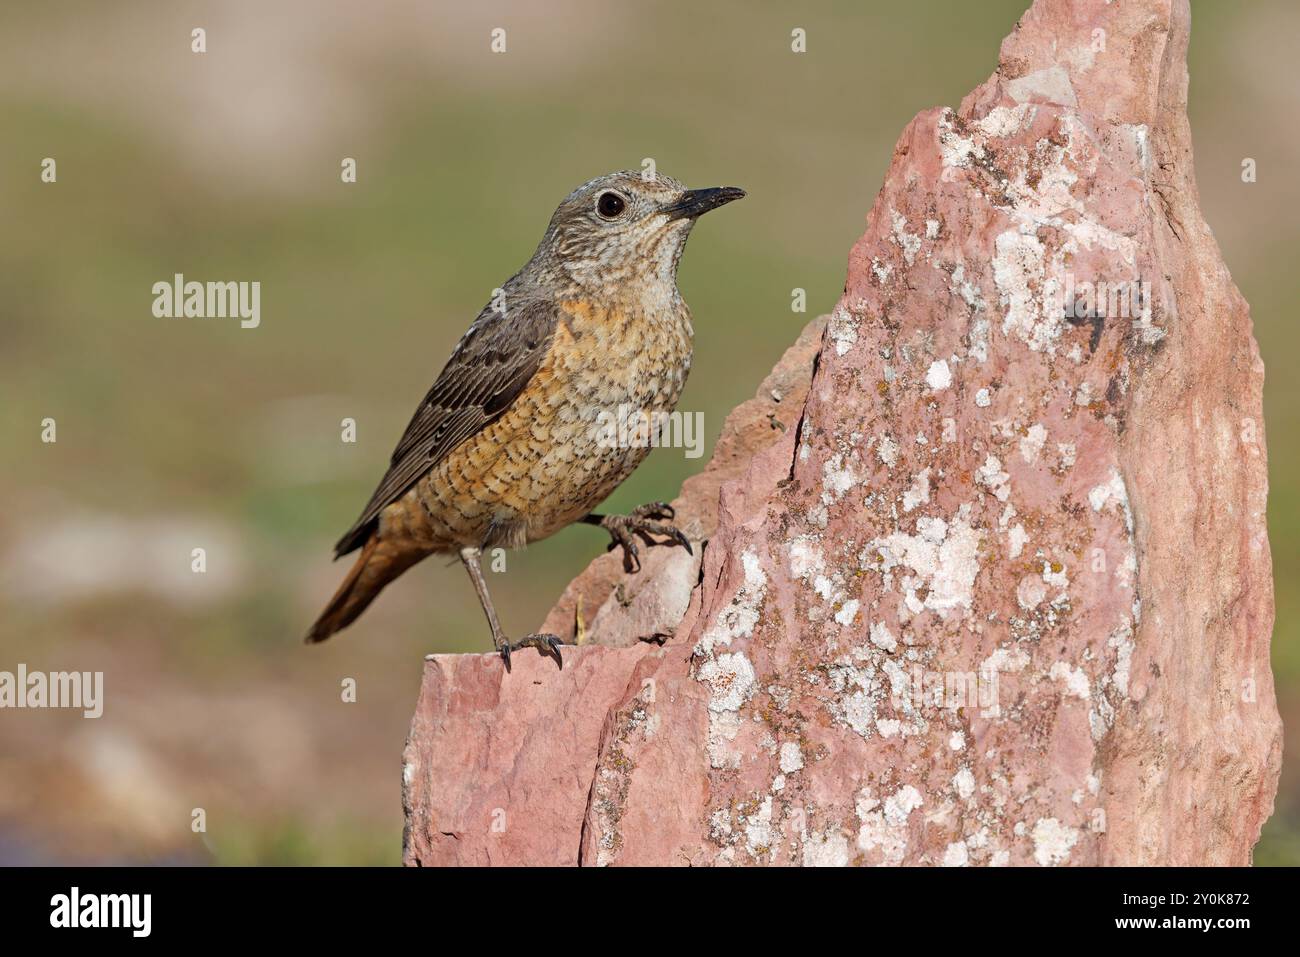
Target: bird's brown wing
point(490, 366)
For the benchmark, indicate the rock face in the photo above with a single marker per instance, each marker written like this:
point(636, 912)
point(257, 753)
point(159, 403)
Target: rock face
point(1000, 593)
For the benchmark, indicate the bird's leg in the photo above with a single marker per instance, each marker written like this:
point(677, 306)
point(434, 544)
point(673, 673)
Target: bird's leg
point(548, 645)
point(646, 520)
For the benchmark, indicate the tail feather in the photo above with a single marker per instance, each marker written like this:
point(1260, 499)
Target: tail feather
point(377, 565)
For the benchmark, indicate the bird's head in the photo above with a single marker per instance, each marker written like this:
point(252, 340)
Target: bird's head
point(625, 228)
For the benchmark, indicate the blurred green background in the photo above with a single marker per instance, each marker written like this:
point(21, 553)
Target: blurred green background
point(174, 434)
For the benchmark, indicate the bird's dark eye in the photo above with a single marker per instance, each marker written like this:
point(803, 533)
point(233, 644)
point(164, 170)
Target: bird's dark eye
point(610, 205)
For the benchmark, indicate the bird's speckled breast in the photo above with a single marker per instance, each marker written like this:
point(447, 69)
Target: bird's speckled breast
point(556, 453)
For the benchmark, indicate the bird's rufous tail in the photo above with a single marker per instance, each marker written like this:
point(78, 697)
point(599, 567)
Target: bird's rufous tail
point(377, 565)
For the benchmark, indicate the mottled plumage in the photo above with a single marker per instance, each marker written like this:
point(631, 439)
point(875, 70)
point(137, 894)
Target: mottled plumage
point(508, 445)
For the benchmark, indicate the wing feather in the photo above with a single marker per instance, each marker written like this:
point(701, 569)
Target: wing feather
point(490, 366)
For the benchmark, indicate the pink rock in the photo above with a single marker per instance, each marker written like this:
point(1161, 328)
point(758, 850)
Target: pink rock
point(498, 766)
point(1005, 598)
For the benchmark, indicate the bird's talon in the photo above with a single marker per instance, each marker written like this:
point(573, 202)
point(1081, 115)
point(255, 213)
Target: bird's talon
point(654, 510)
point(643, 523)
point(548, 646)
point(554, 645)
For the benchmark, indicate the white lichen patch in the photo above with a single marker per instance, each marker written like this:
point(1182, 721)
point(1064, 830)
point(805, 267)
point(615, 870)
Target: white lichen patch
point(720, 825)
point(881, 637)
point(1112, 492)
point(944, 560)
point(808, 565)
point(826, 850)
point(902, 803)
point(731, 681)
point(887, 450)
point(1141, 142)
point(1019, 274)
point(1121, 640)
point(910, 243)
point(1009, 659)
point(791, 757)
point(842, 329)
point(919, 493)
point(1076, 681)
point(956, 150)
point(1053, 841)
point(1032, 443)
point(806, 561)
point(1030, 592)
point(1004, 121)
point(963, 782)
point(1126, 570)
point(956, 855)
point(1017, 538)
point(969, 293)
point(993, 478)
point(938, 377)
point(856, 692)
point(838, 476)
point(905, 698)
point(738, 619)
point(886, 827)
point(758, 827)
point(848, 611)
point(889, 727)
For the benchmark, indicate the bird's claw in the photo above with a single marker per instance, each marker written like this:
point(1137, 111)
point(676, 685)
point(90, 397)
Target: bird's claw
point(547, 645)
point(643, 523)
point(654, 510)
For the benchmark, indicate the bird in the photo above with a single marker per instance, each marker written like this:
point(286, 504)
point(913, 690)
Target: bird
point(512, 443)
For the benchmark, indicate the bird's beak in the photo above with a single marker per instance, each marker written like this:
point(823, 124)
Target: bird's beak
point(697, 202)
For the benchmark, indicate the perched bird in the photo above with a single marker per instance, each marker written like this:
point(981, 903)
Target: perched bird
point(513, 442)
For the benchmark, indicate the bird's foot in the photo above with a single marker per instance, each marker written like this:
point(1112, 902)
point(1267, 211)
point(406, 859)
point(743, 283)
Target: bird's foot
point(646, 520)
point(547, 645)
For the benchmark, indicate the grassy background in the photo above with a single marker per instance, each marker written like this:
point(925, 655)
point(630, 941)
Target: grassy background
point(176, 434)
